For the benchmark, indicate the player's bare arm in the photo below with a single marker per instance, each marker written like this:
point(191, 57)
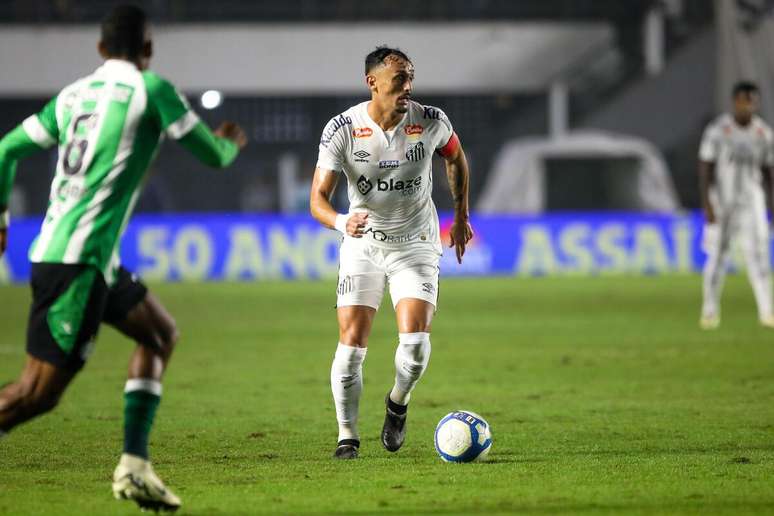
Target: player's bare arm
point(766, 173)
point(323, 186)
point(706, 180)
point(458, 174)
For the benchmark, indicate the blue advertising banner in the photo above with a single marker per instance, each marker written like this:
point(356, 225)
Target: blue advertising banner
point(259, 247)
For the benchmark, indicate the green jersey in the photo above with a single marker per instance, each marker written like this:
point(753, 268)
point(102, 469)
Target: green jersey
point(108, 127)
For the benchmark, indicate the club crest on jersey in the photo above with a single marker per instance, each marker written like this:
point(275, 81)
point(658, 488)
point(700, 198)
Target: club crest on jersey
point(362, 132)
point(389, 163)
point(364, 185)
point(415, 152)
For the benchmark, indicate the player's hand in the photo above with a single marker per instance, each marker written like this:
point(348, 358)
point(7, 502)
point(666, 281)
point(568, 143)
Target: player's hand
point(3, 240)
point(233, 132)
point(460, 234)
point(356, 224)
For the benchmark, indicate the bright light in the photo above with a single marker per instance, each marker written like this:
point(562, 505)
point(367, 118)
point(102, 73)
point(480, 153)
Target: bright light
point(211, 99)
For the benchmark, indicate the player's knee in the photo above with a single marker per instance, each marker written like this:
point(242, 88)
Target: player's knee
point(357, 337)
point(167, 337)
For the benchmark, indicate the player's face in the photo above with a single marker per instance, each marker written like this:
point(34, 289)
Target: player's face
point(746, 105)
point(393, 83)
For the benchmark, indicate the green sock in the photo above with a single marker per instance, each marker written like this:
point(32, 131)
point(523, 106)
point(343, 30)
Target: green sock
point(141, 399)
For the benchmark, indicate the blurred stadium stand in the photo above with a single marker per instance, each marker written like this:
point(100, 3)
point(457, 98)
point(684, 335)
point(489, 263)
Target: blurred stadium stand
point(605, 86)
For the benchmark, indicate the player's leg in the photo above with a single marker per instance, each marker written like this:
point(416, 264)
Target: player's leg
point(755, 246)
point(36, 392)
point(414, 293)
point(716, 243)
point(139, 315)
point(347, 374)
point(359, 293)
point(67, 306)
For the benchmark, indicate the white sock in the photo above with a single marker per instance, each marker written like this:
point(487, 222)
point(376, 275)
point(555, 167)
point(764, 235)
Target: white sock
point(411, 360)
point(347, 384)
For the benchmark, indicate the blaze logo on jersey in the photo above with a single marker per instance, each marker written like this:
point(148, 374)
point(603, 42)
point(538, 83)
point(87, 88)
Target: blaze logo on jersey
point(415, 152)
point(408, 187)
point(414, 129)
point(364, 185)
point(362, 132)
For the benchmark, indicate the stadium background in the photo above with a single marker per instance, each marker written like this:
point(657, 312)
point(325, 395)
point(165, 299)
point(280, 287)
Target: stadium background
point(548, 72)
point(581, 120)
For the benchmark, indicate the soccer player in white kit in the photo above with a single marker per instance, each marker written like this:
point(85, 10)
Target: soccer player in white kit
point(735, 169)
point(391, 235)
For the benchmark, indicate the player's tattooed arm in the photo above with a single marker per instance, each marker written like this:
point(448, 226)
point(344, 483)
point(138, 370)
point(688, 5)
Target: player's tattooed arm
point(706, 180)
point(323, 186)
point(458, 175)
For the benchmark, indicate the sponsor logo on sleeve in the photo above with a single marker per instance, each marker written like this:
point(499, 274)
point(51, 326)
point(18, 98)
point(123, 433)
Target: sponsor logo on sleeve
point(333, 127)
point(432, 113)
point(362, 132)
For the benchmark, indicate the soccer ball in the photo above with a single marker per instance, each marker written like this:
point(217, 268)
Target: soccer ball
point(463, 436)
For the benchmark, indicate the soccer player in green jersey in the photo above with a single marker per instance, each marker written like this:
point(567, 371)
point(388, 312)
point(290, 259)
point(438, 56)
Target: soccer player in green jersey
point(108, 127)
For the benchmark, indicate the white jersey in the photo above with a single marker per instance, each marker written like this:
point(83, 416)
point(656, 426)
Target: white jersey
point(738, 153)
point(389, 173)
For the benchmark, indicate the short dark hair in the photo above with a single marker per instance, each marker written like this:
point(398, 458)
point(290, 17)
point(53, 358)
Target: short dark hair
point(746, 87)
point(382, 52)
point(123, 31)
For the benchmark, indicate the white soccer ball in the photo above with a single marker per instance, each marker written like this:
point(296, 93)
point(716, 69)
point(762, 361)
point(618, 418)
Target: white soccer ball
point(463, 436)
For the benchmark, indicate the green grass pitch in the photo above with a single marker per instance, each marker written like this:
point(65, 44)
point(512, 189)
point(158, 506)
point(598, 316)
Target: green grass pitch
point(603, 396)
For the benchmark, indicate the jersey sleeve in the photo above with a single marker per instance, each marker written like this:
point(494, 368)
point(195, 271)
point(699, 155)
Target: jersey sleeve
point(13, 146)
point(447, 141)
point(42, 127)
point(208, 148)
point(171, 108)
point(333, 144)
point(768, 157)
point(708, 150)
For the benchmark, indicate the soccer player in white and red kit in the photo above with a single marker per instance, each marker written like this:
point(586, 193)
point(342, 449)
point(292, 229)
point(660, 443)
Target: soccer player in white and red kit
point(735, 171)
point(391, 235)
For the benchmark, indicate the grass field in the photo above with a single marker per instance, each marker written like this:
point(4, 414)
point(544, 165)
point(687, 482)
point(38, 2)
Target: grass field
point(602, 394)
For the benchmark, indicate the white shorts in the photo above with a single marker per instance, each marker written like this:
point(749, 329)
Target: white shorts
point(365, 269)
point(748, 225)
